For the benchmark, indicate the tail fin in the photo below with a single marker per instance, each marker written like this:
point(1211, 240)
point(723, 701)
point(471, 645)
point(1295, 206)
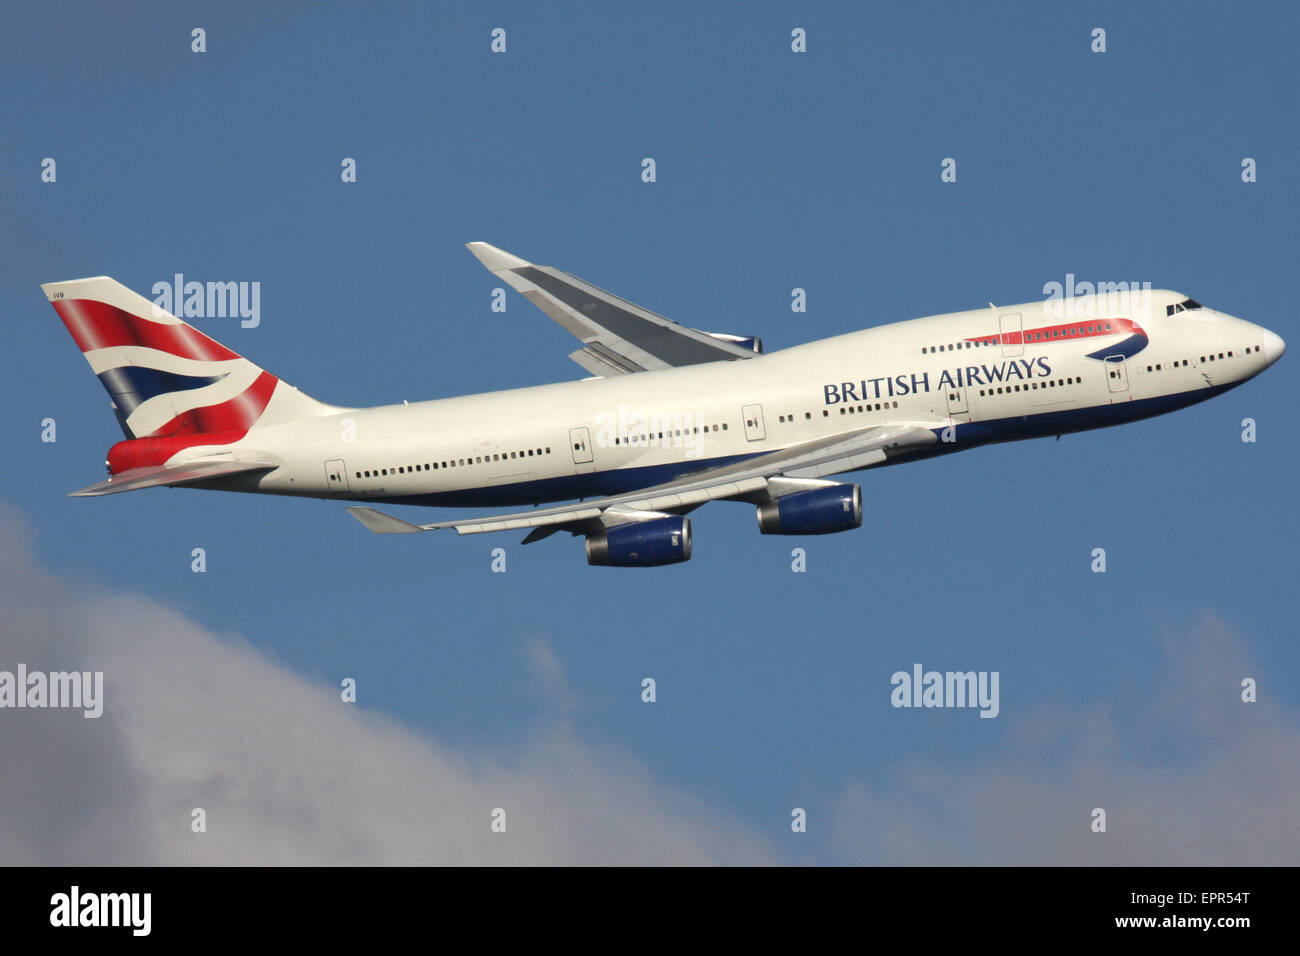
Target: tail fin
point(166, 378)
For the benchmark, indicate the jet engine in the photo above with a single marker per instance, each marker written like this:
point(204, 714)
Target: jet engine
point(820, 511)
point(641, 544)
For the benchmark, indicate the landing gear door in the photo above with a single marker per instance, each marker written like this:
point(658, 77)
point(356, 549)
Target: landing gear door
point(1116, 373)
point(336, 476)
point(753, 416)
point(580, 444)
point(1009, 326)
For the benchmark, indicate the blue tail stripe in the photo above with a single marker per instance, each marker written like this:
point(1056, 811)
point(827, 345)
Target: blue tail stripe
point(132, 385)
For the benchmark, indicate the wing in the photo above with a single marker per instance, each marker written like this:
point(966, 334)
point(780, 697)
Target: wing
point(756, 478)
point(156, 476)
point(618, 337)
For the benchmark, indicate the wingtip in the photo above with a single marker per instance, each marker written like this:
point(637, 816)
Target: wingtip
point(494, 259)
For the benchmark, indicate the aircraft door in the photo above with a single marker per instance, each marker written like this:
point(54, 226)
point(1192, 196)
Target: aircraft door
point(1009, 326)
point(957, 401)
point(580, 444)
point(753, 416)
point(1116, 373)
point(336, 476)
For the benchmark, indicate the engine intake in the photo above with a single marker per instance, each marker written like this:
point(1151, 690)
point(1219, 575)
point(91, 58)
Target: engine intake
point(642, 544)
point(820, 511)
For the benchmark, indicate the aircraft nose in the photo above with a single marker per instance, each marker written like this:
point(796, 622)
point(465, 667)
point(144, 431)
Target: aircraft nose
point(1273, 346)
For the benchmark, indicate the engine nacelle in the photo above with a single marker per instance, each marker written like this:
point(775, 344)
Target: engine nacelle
point(820, 511)
point(641, 544)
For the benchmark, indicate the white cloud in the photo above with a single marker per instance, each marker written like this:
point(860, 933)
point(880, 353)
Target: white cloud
point(286, 772)
point(1202, 779)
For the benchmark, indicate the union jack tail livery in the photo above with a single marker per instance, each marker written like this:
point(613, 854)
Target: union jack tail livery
point(172, 387)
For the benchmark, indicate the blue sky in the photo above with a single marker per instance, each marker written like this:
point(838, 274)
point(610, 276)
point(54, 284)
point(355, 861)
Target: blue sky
point(775, 170)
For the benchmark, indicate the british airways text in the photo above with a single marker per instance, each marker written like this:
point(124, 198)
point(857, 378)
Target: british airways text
point(916, 382)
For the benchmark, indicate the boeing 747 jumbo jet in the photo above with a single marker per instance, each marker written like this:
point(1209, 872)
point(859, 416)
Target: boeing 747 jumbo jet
point(671, 418)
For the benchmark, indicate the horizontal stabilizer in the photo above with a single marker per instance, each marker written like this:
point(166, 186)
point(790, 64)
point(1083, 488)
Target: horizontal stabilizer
point(380, 523)
point(157, 476)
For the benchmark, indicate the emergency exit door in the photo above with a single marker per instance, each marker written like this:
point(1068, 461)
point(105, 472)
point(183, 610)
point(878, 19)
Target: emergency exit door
point(1116, 373)
point(336, 476)
point(580, 445)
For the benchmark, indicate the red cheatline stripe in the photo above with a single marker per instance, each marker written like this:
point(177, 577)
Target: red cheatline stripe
point(98, 325)
point(1117, 326)
point(236, 415)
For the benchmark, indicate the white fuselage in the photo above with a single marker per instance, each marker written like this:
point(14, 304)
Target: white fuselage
point(974, 377)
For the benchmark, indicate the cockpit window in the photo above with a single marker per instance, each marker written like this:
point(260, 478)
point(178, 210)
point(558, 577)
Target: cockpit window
point(1185, 306)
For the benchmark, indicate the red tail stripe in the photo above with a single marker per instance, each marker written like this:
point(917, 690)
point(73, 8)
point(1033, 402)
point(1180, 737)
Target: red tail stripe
point(141, 452)
point(234, 416)
point(98, 325)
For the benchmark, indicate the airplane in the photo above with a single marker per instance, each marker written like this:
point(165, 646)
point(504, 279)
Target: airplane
point(671, 417)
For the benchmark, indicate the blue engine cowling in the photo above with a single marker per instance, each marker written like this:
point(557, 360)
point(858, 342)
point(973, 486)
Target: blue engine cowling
point(642, 544)
point(820, 511)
